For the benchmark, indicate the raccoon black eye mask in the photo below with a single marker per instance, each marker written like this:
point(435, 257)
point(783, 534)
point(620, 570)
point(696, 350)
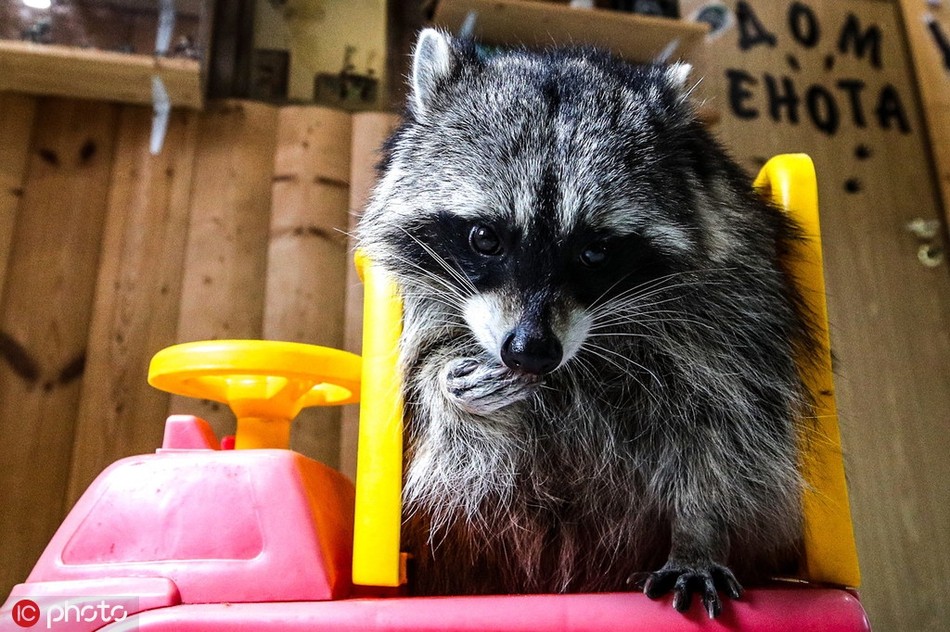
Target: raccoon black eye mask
point(599, 339)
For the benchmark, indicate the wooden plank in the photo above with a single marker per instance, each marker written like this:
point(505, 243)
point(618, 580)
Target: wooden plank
point(222, 292)
point(639, 38)
point(17, 113)
point(370, 129)
point(48, 69)
point(928, 35)
point(890, 316)
point(137, 294)
point(307, 257)
point(44, 320)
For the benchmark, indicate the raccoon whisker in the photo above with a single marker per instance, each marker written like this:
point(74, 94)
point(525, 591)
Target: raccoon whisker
point(449, 317)
point(629, 301)
point(424, 274)
point(694, 277)
point(688, 92)
point(600, 350)
point(635, 315)
point(666, 293)
point(648, 318)
point(439, 299)
point(443, 295)
point(444, 329)
point(597, 301)
point(626, 311)
point(436, 280)
point(642, 287)
point(626, 303)
point(455, 273)
point(609, 401)
point(625, 314)
point(647, 289)
point(630, 304)
point(582, 372)
point(643, 336)
point(441, 282)
point(434, 319)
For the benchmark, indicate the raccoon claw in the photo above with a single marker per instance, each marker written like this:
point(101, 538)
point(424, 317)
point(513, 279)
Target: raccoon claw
point(686, 580)
point(481, 387)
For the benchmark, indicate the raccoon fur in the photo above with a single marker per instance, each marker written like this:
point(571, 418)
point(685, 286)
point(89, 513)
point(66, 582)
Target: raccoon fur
point(599, 340)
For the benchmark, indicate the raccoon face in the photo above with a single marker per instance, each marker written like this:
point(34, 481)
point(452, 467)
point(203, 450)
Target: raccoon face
point(529, 204)
point(534, 289)
point(528, 286)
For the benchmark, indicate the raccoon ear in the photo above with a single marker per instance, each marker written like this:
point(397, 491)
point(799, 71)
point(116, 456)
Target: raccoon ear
point(432, 62)
point(678, 74)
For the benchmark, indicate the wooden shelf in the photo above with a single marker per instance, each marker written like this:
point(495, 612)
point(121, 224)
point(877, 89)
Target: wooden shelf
point(48, 69)
point(637, 38)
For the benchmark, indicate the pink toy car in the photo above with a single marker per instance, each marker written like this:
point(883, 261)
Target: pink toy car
point(198, 538)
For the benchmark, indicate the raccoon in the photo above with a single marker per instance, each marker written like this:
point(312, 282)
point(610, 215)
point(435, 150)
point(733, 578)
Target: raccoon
point(599, 340)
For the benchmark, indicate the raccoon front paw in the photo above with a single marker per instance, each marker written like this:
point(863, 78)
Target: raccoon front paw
point(481, 387)
point(707, 580)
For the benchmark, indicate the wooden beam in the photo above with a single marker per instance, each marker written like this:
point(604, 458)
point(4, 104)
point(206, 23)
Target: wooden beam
point(307, 254)
point(637, 38)
point(49, 69)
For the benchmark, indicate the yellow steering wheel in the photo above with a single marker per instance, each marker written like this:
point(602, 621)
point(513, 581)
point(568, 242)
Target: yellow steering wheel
point(266, 383)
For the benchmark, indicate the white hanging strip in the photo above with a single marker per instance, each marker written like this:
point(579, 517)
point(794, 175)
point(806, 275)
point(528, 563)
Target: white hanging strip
point(166, 26)
point(161, 109)
point(161, 104)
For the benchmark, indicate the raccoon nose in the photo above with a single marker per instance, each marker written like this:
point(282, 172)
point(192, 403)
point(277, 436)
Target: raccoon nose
point(532, 351)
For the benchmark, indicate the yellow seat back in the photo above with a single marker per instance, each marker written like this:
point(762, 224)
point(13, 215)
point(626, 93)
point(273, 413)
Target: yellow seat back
point(830, 554)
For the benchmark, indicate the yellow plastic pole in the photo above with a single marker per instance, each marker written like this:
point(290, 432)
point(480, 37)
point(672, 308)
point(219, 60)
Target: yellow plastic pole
point(376, 557)
point(261, 432)
point(830, 554)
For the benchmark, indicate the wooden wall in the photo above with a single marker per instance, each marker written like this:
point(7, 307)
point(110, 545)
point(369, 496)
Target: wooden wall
point(833, 78)
point(108, 254)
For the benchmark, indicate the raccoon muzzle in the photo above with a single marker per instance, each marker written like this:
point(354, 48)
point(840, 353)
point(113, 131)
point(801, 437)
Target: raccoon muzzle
point(532, 348)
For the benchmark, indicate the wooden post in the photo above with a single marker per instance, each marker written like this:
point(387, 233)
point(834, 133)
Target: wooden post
point(370, 129)
point(44, 320)
point(222, 293)
point(137, 296)
point(307, 257)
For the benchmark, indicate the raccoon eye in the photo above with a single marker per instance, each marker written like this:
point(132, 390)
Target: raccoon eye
point(594, 255)
point(484, 240)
